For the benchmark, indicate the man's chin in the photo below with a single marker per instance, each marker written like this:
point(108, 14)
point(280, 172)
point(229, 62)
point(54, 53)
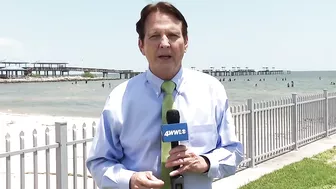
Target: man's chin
point(169, 71)
point(166, 61)
point(165, 69)
point(168, 66)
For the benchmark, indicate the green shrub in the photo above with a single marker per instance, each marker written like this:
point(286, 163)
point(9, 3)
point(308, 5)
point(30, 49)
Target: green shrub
point(88, 75)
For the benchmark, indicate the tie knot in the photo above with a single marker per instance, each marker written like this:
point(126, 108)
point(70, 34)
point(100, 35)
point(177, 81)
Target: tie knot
point(168, 86)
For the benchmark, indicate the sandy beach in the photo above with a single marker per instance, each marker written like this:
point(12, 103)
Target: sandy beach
point(15, 123)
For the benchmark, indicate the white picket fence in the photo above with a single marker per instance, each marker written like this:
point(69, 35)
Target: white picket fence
point(266, 129)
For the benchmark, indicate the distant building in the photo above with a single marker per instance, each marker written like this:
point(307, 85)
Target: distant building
point(13, 69)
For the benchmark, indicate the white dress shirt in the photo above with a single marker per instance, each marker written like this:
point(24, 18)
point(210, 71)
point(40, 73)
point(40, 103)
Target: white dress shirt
point(128, 134)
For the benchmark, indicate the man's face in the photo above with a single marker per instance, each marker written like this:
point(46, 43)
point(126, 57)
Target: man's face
point(163, 44)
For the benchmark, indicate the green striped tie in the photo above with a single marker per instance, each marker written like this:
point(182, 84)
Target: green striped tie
point(167, 87)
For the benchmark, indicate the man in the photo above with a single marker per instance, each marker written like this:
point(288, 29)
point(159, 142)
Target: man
point(126, 152)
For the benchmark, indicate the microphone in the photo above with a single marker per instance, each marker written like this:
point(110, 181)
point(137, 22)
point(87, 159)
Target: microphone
point(173, 116)
point(173, 132)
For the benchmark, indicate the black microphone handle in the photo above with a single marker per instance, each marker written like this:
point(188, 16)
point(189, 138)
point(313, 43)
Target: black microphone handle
point(173, 145)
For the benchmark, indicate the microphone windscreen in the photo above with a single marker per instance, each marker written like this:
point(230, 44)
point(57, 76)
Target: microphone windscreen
point(173, 116)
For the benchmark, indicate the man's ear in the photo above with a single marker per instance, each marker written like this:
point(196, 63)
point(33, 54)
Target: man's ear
point(185, 44)
point(141, 46)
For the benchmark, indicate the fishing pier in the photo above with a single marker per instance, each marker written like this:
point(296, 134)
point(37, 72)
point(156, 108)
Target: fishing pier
point(54, 69)
point(243, 72)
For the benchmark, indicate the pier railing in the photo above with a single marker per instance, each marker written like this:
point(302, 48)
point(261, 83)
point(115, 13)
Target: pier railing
point(266, 129)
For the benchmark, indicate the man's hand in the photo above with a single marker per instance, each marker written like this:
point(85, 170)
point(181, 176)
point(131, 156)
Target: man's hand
point(186, 160)
point(145, 180)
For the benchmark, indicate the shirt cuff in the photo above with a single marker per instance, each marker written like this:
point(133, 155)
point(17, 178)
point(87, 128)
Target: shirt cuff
point(122, 180)
point(213, 167)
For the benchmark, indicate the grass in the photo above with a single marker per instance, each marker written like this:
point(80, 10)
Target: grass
point(316, 172)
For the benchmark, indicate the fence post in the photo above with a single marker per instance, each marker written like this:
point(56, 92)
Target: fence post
point(251, 133)
point(8, 163)
point(294, 122)
point(61, 155)
point(326, 113)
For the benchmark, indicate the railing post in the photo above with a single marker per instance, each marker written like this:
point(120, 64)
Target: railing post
point(326, 113)
point(251, 133)
point(294, 122)
point(8, 163)
point(61, 155)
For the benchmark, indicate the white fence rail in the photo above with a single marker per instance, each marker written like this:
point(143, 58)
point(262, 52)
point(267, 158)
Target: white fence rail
point(266, 129)
point(269, 129)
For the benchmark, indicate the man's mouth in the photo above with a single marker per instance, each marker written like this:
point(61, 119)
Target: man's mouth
point(165, 57)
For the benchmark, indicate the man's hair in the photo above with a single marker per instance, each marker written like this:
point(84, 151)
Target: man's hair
point(163, 7)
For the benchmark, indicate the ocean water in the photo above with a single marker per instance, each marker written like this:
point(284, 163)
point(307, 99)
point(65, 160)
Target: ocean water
point(87, 100)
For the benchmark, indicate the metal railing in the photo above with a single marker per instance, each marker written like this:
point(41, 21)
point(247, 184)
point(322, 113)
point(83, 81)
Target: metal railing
point(266, 129)
point(272, 128)
point(62, 157)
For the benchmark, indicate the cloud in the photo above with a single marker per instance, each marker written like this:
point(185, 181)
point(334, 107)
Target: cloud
point(11, 49)
point(10, 43)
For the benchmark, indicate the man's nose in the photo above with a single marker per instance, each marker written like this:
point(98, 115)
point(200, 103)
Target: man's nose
point(164, 42)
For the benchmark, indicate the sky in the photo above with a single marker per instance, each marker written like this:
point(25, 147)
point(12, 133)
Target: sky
point(295, 35)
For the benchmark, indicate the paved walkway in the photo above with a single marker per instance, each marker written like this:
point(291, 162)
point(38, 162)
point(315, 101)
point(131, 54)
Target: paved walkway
point(243, 177)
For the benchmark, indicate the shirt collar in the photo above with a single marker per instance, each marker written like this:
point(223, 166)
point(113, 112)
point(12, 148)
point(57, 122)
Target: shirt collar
point(156, 82)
